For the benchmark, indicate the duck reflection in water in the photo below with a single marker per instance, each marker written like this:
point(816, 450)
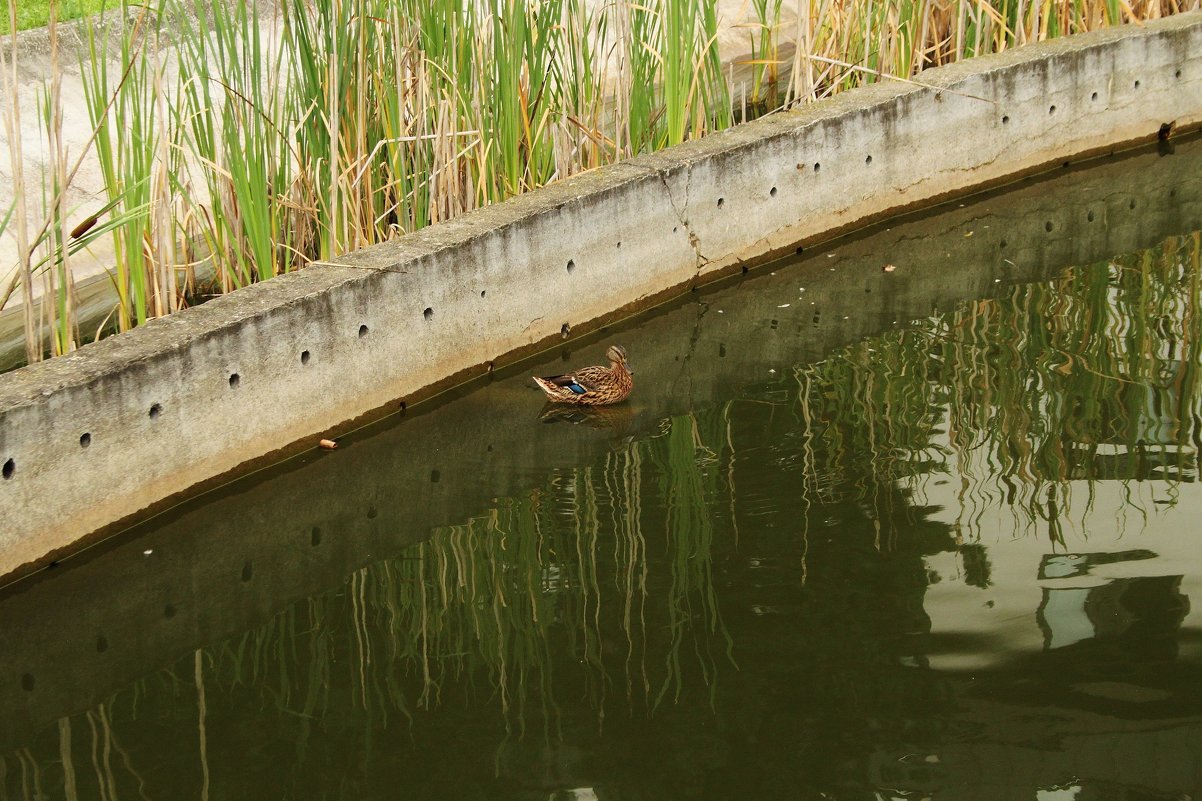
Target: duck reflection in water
point(613, 418)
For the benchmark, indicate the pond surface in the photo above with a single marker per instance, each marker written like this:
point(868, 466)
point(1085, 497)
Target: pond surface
point(912, 516)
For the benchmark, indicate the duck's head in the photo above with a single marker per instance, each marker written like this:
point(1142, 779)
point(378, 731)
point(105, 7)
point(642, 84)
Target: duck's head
point(617, 355)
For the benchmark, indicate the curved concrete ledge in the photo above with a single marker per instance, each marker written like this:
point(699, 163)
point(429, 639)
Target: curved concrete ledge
point(128, 422)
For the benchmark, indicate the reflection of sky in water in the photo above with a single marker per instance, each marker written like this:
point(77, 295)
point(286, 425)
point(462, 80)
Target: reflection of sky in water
point(1006, 609)
point(1064, 611)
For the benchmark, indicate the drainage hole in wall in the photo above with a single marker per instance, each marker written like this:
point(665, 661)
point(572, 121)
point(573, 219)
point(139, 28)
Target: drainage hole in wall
point(1001, 245)
point(1047, 226)
point(155, 411)
point(435, 476)
point(721, 202)
point(315, 537)
point(1094, 96)
point(85, 439)
point(571, 265)
point(1089, 216)
point(27, 682)
point(799, 251)
point(362, 331)
point(483, 292)
point(428, 313)
point(1051, 109)
point(1137, 84)
point(619, 244)
point(772, 192)
point(674, 228)
point(372, 513)
point(1177, 74)
point(304, 357)
point(868, 159)
point(564, 330)
point(102, 644)
point(10, 467)
point(248, 572)
point(817, 166)
point(168, 611)
point(1131, 205)
point(1005, 119)
point(235, 380)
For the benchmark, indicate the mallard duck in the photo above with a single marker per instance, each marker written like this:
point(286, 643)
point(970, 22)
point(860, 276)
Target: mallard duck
point(592, 386)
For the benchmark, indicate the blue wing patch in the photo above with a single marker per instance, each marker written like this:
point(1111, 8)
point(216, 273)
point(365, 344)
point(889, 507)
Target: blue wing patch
point(576, 388)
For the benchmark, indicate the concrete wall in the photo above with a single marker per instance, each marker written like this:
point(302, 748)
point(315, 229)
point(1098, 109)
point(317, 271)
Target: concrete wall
point(124, 424)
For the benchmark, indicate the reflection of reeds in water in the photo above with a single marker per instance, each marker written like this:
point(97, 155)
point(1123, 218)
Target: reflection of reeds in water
point(91, 763)
point(599, 583)
point(1092, 376)
point(687, 476)
point(1099, 383)
point(868, 413)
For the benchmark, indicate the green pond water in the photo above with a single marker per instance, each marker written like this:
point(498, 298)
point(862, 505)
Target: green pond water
point(914, 515)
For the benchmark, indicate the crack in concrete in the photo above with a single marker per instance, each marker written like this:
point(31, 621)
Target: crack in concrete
point(694, 239)
point(532, 324)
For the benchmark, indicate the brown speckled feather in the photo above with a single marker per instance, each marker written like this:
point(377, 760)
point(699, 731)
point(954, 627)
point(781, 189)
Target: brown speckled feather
point(591, 386)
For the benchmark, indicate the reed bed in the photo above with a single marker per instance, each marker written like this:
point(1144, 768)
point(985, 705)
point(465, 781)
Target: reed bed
point(244, 143)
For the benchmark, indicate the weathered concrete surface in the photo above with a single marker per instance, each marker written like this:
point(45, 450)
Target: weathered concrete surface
point(199, 393)
point(229, 564)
